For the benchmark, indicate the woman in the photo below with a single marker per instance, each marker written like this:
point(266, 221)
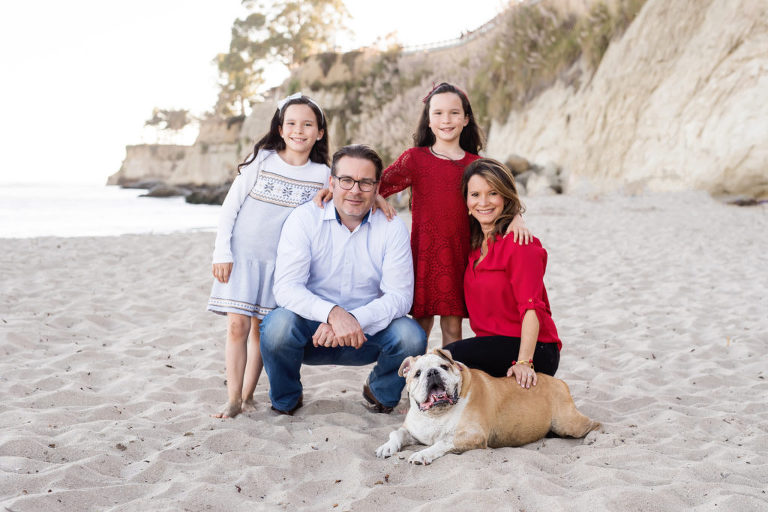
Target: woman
point(504, 285)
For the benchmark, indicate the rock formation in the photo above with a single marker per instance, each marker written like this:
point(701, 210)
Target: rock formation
point(147, 164)
point(679, 102)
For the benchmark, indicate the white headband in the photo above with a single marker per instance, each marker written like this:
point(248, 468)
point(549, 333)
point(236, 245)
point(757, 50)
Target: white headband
point(296, 96)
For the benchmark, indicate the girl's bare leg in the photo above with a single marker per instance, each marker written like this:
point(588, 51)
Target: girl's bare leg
point(451, 329)
point(426, 323)
point(235, 358)
point(254, 365)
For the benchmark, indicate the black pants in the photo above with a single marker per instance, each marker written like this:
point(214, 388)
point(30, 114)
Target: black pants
point(494, 354)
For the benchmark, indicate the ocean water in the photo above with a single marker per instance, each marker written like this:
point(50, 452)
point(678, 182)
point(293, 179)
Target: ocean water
point(67, 210)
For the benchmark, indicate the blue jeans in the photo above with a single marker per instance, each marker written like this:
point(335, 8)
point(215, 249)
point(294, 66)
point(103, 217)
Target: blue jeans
point(286, 343)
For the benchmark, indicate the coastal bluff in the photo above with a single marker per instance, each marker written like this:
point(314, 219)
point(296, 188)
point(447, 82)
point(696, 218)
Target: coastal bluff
point(679, 102)
point(661, 96)
point(210, 161)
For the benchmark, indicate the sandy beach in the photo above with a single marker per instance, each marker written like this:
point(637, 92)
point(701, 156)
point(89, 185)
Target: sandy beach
point(111, 366)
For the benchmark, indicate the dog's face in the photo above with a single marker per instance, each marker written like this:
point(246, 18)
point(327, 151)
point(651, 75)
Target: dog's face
point(433, 380)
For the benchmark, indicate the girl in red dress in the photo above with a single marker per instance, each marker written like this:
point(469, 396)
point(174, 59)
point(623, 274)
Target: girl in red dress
point(446, 141)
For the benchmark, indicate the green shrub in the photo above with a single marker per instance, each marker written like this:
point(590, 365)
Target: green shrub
point(349, 59)
point(327, 60)
point(294, 85)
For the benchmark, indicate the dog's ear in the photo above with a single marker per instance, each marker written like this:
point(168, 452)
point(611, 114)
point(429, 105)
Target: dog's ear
point(405, 366)
point(445, 354)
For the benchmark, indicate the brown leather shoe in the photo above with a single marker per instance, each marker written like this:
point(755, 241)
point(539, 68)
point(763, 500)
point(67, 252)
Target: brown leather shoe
point(376, 406)
point(293, 410)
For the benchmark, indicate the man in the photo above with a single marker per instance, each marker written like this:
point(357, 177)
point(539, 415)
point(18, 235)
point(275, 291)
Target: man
point(344, 283)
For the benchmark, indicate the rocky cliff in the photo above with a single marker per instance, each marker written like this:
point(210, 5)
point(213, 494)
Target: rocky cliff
point(679, 102)
point(209, 161)
point(149, 163)
point(636, 94)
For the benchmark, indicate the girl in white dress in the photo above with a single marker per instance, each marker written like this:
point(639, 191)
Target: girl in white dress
point(287, 167)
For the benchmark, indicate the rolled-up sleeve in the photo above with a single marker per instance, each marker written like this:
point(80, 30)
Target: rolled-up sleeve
point(396, 283)
point(527, 264)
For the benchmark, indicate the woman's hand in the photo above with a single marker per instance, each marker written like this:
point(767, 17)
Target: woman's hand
point(520, 232)
point(322, 196)
point(383, 205)
point(221, 271)
point(523, 374)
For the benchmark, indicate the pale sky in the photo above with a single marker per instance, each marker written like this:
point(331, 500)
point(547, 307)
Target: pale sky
point(80, 77)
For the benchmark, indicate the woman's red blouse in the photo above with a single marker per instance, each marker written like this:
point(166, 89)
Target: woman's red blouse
point(505, 284)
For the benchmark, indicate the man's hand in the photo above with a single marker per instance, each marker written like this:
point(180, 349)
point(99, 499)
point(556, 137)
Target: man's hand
point(346, 327)
point(324, 336)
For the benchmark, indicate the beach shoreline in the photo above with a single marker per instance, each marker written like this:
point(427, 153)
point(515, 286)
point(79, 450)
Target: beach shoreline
point(111, 367)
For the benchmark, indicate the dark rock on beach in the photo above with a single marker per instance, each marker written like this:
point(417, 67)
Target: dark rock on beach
point(143, 184)
point(517, 164)
point(163, 190)
point(746, 201)
point(208, 195)
point(193, 194)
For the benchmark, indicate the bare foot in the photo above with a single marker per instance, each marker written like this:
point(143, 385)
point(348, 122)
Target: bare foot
point(249, 404)
point(230, 410)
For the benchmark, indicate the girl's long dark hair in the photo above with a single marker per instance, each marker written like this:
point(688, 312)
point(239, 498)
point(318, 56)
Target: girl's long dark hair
point(500, 178)
point(272, 140)
point(471, 139)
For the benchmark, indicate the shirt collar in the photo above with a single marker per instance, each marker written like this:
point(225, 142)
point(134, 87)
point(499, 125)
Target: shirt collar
point(338, 217)
point(330, 213)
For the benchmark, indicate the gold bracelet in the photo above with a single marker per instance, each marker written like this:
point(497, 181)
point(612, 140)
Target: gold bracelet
point(527, 363)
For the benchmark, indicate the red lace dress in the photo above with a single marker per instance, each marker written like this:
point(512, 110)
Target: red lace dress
point(440, 229)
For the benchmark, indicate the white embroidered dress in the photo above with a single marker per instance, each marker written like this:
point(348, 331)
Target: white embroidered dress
point(251, 218)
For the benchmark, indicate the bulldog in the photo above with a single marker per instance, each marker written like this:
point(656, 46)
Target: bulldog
point(454, 409)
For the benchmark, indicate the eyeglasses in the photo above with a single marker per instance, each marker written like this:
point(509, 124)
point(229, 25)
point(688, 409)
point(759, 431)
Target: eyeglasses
point(348, 183)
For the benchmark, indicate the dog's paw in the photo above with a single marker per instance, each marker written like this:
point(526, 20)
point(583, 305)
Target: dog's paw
point(591, 437)
point(387, 450)
point(421, 458)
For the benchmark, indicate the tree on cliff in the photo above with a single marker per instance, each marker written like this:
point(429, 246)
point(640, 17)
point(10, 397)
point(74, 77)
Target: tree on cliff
point(281, 31)
point(303, 28)
point(168, 121)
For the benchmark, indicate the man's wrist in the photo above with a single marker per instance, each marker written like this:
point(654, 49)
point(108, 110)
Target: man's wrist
point(331, 312)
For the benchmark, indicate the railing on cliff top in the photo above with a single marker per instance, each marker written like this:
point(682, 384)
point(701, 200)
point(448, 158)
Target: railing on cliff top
point(458, 41)
point(469, 35)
